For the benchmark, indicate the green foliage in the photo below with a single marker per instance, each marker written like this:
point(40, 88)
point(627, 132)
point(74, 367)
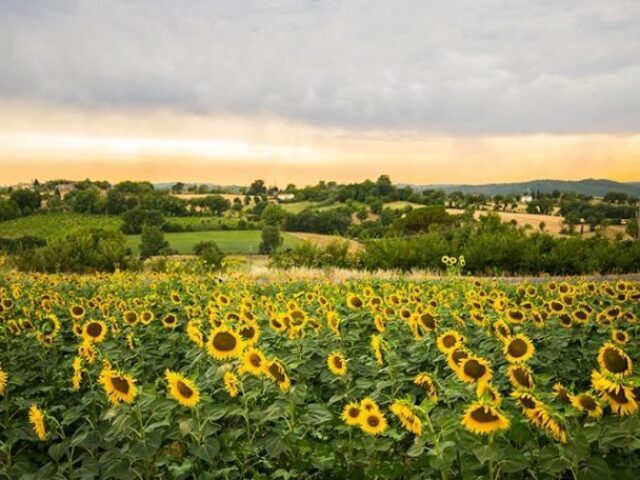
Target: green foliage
point(135, 219)
point(333, 221)
point(271, 215)
point(28, 201)
point(421, 219)
point(52, 225)
point(9, 209)
point(306, 254)
point(210, 254)
point(270, 239)
point(152, 242)
point(85, 251)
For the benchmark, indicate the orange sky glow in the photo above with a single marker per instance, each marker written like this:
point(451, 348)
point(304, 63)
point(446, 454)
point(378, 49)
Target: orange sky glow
point(50, 142)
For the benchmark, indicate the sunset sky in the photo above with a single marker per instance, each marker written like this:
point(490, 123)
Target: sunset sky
point(297, 91)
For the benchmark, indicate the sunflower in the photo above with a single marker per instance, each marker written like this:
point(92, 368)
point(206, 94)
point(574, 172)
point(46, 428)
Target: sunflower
point(146, 317)
point(614, 360)
point(4, 379)
point(351, 414)
point(373, 422)
point(620, 337)
point(231, 384)
point(427, 321)
point(407, 416)
point(566, 320)
point(36, 418)
point(474, 370)
point(354, 302)
point(170, 321)
point(182, 389)
point(586, 402)
point(518, 349)
point(425, 381)
point(449, 340)
point(94, 331)
point(556, 430)
point(130, 317)
point(77, 312)
point(502, 329)
point(520, 376)
point(224, 343)
point(456, 356)
point(368, 404)
point(515, 316)
point(482, 418)
point(562, 394)
point(337, 363)
point(274, 369)
point(333, 321)
point(253, 362)
point(250, 333)
point(619, 396)
point(377, 345)
point(279, 324)
point(118, 386)
point(194, 333)
point(86, 351)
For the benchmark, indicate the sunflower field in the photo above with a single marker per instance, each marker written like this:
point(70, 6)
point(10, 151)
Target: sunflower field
point(134, 376)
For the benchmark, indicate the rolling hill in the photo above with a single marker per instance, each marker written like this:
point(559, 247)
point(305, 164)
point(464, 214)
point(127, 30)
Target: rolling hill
point(592, 187)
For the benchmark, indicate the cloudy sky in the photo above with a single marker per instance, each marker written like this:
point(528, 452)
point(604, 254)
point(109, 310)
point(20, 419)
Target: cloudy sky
point(225, 91)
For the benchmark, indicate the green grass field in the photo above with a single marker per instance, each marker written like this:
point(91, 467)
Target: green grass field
point(297, 207)
point(55, 225)
point(230, 241)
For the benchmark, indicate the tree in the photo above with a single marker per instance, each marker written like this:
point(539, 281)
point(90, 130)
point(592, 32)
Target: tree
point(384, 187)
point(152, 241)
point(362, 214)
point(420, 219)
point(271, 239)
point(257, 187)
point(27, 200)
point(8, 209)
point(272, 215)
point(136, 218)
point(89, 200)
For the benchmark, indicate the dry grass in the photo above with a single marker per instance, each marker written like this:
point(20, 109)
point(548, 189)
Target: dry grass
point(323, 240)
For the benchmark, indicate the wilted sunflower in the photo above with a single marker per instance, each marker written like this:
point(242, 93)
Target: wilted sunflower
point(425, 381)
point(520, 376)
point(337, 363)
point(614, 360)
point(36, 418)
point(94, 331)
point(231, 384)
point(373, 422)
point(351, 414)
point(182, 389)
point(474, 370)
point(377, 345)
point(586, 402)
point(354, 302)
point(4, 378)
point(449, 340)
point(253, 362)
point(562, 393)
point(482, 418)
point(619, 396)
point(378, 322)
point(274, 369)
point(407, 416)
point(518, 348)
point(118, 386)
point(224, 343)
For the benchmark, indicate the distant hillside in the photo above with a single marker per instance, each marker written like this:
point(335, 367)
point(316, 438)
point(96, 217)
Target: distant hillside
point(592, 187)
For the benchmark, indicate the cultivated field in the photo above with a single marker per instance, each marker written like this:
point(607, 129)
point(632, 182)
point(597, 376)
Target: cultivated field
point(160, 376)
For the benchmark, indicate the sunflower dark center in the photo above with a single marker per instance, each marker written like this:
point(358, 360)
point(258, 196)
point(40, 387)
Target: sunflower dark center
point(356, 302)
point(337, 362)
point(515, 315)
point(248, 332)
point(373, 421)
point(94, 329)
point(474, 369)
point(354, 412)
point(615, 362)
point(277, 372)
point(588, 403)
point(517, 348)
point(458, 355)
point(255, 360)
point(527, 402)
point(224, 341)
point(184, 389)
point(522, 377)
point(619, 397)
point(428, 321)
point(449, 341)
point(482, 415)
point(120, 384)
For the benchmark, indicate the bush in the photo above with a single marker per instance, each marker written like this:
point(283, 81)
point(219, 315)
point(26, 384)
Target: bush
point(88, 251)
point(271, 239)
point(306, 254)
point(136, 218)
point(16, 245)
point(210, 254)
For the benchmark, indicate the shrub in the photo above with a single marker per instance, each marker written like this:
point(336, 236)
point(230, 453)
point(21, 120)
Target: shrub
point(152, 242)
point(210, 254)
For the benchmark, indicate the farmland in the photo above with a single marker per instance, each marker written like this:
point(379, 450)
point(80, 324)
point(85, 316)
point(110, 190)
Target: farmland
point(176, 376)
point(229, 241)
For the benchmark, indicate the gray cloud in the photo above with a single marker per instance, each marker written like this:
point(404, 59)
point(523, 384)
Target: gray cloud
point(490, 66)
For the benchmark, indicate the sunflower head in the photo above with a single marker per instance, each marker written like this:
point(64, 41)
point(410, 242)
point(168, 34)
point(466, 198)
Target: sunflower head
point(351, 414)
point(614, 360)
point(483, 418)
point(182, 389)
point(373, 422)
point(518, 348)
point(474, 370)
point(337, 363)
point(224, 343)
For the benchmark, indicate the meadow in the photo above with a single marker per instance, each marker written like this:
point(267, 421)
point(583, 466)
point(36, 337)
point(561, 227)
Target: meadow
point(175, 376)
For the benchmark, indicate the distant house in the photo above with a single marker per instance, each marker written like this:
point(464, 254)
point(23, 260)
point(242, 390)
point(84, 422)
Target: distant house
point(526, 199)
point(65, 188)
point(285, 197)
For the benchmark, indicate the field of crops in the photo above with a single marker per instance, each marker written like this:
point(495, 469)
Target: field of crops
point(141, 376)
